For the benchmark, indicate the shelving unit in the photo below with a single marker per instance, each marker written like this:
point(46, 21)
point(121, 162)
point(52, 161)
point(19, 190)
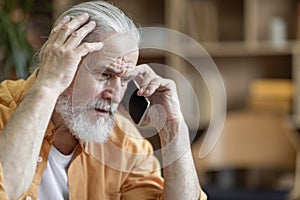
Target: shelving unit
point(244, 48)
point(240, 38)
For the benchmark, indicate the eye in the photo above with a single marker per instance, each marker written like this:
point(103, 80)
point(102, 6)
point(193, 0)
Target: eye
point(103, 76)
point(126, 80)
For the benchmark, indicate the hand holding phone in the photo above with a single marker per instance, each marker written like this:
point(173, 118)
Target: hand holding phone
point(134, 104)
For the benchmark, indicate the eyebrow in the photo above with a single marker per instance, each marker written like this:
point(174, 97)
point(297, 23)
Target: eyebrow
point(113, 71)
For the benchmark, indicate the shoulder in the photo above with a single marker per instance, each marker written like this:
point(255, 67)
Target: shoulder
point(11, 94)
point(125, 125)
point(13, 91)
point(127, 135)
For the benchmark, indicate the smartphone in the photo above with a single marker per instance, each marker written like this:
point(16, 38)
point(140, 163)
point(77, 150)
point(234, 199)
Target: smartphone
point(134, 104)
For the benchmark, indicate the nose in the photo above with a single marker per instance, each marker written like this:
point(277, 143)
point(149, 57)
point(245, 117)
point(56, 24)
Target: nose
point(113, 90)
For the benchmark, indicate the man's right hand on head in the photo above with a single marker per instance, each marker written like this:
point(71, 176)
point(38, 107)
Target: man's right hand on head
point(63, 51)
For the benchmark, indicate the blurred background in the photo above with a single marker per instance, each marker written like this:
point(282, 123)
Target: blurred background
point(253, 43)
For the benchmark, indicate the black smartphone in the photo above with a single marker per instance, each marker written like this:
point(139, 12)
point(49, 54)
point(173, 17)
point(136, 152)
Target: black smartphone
point(134, 104)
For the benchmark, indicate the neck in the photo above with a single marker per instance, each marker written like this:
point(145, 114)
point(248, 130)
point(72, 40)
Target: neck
point(64, 141)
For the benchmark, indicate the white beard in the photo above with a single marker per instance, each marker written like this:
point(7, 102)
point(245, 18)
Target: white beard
point(77, 120)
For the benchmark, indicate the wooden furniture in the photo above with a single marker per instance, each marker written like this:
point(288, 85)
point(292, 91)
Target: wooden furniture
point(255, 151)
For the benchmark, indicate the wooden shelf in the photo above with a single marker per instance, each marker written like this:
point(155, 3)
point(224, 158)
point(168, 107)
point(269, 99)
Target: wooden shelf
point(236, 49)
point(152, 54)
point(143, 12)
point(232, 49)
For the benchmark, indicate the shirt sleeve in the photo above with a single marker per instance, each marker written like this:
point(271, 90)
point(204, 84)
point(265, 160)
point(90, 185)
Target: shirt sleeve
point(6, 102)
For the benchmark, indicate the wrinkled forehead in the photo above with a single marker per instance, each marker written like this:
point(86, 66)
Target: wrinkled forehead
point(116, 48)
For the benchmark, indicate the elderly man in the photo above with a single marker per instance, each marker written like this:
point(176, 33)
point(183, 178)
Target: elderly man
point(61, 136)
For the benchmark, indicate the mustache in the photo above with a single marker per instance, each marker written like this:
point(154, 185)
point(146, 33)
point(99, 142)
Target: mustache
point(103, 105)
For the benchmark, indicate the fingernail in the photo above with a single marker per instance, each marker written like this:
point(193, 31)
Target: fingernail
point(85, 14)
point(66, 18)
point(99, 45)
point(92, 23)
point(147, 92)
point(141, 90)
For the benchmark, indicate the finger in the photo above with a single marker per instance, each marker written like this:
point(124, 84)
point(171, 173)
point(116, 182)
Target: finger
point(77, 36)
point(142, 73)
point(158, 85)
point(86, 48)
point(68, 28)
point(149, 87)
point(55, 30)
point(146, 81)
point(146, 77)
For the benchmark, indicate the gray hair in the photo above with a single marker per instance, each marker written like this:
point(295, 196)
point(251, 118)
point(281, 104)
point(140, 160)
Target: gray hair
point(109, 19)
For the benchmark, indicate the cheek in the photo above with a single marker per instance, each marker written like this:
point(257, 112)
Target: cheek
point(121, 94)
point(86, 90)
point(123, 90)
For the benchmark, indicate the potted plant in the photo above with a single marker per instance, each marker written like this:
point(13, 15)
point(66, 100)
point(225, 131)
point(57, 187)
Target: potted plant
point(15, 51)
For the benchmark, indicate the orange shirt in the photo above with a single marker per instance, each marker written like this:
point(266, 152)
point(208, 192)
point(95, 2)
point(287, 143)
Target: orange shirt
point(122, 168)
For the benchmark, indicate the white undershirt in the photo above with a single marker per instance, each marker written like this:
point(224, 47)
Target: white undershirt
point(54, 184)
